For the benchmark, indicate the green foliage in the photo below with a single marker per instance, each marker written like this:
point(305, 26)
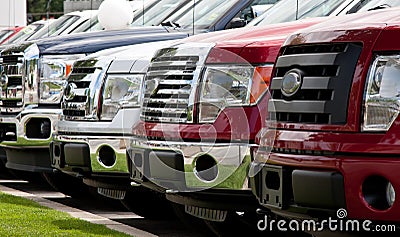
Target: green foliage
point(22, 217)
point(38, 8)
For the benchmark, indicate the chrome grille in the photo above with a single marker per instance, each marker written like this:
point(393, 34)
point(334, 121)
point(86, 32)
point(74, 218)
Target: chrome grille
point(168, 87)
point(78, 106)
point(11, 94)
point(326, 77)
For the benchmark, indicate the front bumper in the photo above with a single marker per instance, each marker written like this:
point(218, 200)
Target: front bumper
point(26, 139)
point(82, 156)
point(177, 166)
point(304, 186)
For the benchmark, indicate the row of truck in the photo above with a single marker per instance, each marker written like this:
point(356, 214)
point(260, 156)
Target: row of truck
point(292, 120)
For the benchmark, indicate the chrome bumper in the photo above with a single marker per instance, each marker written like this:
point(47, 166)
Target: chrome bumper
point(29, 126)
point(73, 153)
point(27, 137)
point(185, 167)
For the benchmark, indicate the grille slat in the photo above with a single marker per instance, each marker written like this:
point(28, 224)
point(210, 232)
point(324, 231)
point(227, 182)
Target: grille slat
point(327, 73)
point(14, 81)
point(308, 83)
point(11, 59)
point(307, 59)
point(78, 99)
point(175, 82)
point(164, 74)
point(10, 103)
point(166, 101)
point(176, 111)
point(73, 113)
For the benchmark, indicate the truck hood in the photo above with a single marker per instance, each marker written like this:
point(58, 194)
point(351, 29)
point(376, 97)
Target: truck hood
point(256, 45)
point(95, 41)
point(129, 59)
point(243, 36)
point(92, 45)
point(340, 26)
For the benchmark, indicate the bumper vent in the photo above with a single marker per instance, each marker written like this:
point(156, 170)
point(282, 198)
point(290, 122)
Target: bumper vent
point(207, 214)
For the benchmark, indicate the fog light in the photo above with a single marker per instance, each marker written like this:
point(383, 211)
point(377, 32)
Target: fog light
point(107, 156)
point(390, 194)
point(378, 192)
point(206, 168)
point(39, 128)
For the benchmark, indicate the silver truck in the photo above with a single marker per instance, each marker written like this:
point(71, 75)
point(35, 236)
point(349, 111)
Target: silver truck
point(101, 103)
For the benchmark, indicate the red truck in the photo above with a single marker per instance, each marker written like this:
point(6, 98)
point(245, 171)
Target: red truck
point(200, 115)
point(332, 136)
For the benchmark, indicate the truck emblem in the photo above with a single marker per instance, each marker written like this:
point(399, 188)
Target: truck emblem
point(152, 86)
point(291, 82)
point(69, 91)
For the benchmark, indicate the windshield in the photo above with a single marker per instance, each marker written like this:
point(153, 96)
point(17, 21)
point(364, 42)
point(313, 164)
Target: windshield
point(87, 26)
point(285, 10)
point(56, 27)
point(368, 5)
point(4, 34)
point(206, 12)
point(25, 33)
point(156, 14)
point(139, 13)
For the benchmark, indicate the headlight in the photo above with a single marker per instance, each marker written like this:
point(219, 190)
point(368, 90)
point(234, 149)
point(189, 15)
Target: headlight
point(231, 85)
point(54, 69)
point(382, 99)
point(120, 91)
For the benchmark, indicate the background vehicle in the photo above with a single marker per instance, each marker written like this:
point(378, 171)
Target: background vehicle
point(27, 31)
point(214, 15)
point(65, 24)
point(291, 10)
point(5, 34)
point(346, 141)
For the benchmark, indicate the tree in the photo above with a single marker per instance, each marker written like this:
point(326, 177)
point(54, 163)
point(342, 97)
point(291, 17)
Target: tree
point(37, 9)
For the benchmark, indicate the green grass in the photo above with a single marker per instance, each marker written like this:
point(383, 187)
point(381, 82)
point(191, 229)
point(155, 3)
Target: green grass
point(22, 217)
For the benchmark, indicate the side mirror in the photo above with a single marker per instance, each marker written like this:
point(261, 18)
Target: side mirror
point(236, 23)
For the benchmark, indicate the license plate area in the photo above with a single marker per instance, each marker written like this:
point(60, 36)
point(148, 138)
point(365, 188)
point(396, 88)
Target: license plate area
point(56, 153)
point(276, 184)
point(136, 164)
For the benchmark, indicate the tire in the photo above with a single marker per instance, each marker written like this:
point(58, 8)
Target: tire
point(66, 184)
point(148, 204)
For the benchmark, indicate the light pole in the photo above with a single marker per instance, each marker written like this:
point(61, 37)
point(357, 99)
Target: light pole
point(48, 9)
